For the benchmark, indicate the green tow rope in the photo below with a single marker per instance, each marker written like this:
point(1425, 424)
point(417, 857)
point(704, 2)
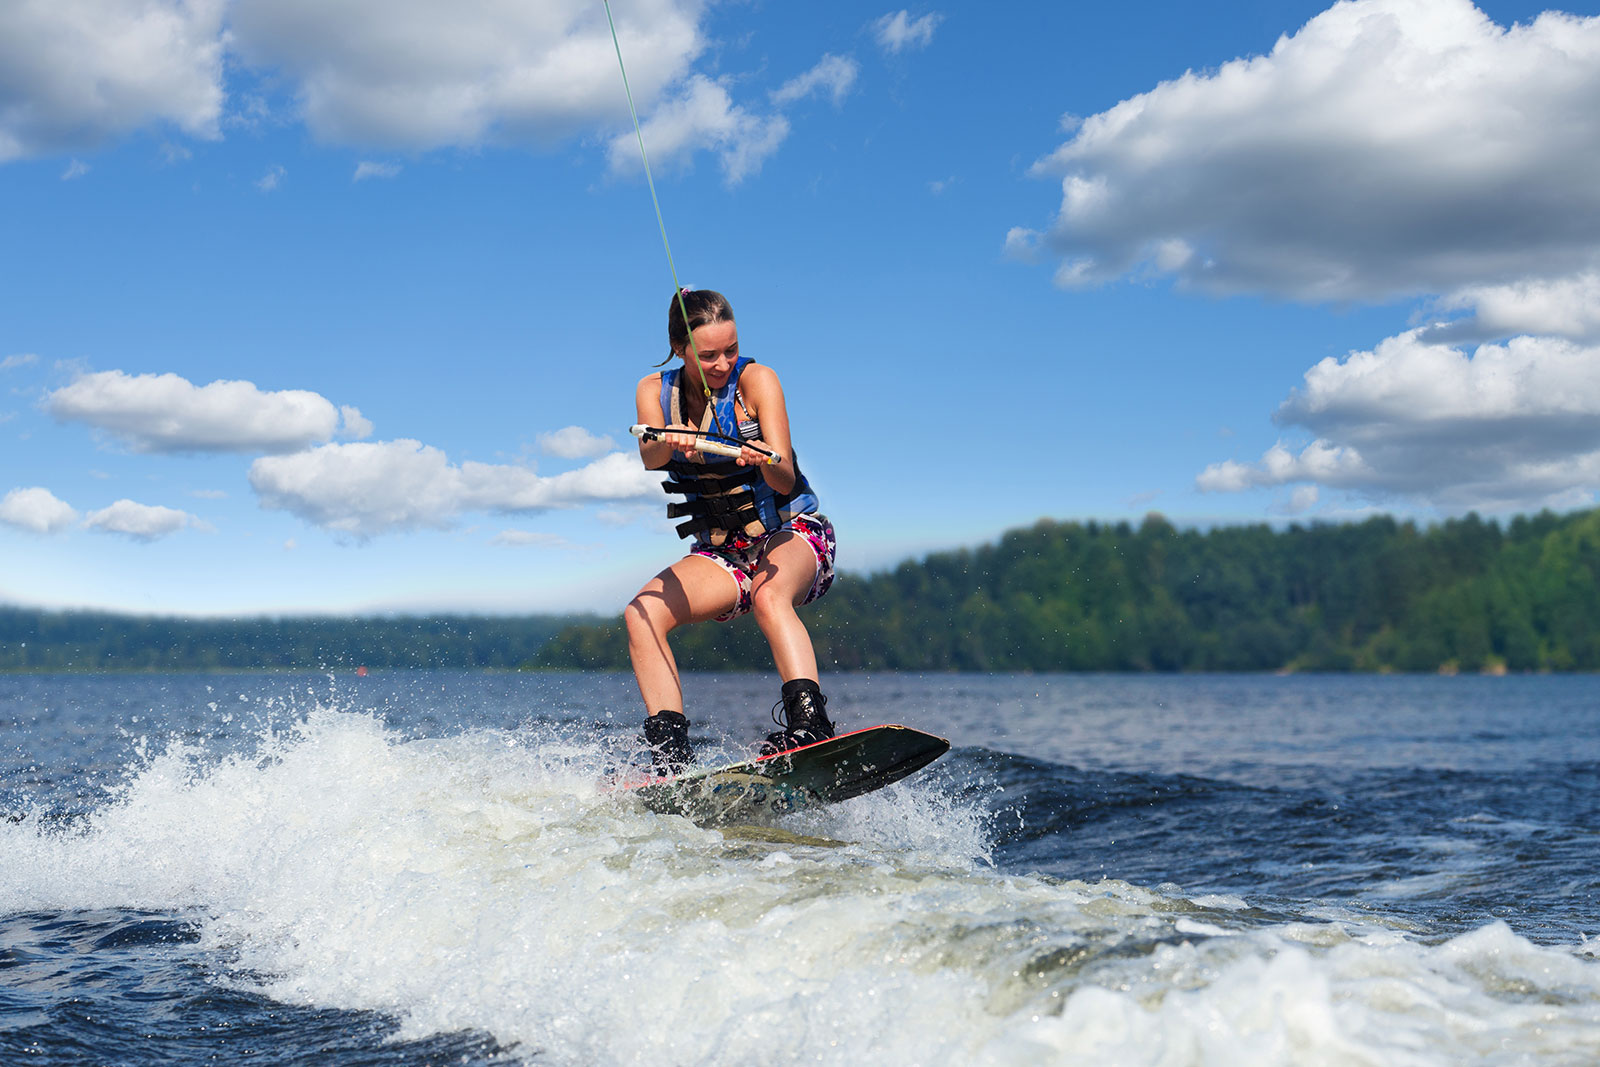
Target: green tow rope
point(676, 288)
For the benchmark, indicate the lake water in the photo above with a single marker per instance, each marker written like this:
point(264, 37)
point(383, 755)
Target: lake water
point(420, 868)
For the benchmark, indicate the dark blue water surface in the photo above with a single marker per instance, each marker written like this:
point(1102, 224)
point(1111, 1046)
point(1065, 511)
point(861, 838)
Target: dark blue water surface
point(147, 823)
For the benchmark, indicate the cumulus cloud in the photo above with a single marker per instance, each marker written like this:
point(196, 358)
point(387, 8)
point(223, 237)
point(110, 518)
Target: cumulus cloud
point(167, 413)
point(1564, 307)
point(418, 75)
point(365, 489)
point(352, 424)
point(574, 442)
point(141, 522)
point(898, 32)
point(703, 117)
point(74, 73)
point(1390, 148)
point(389, 74)
point(833, 76)
point(37, 510)
point(1319, 461)
point(1513, 425)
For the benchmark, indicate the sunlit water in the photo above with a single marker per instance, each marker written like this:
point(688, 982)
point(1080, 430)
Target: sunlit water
point(423, 868)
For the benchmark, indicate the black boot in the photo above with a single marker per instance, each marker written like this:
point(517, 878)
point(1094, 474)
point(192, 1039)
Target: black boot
point(667, 734)
point(805, 717)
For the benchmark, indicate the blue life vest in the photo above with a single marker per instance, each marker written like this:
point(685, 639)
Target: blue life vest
point(722, 498)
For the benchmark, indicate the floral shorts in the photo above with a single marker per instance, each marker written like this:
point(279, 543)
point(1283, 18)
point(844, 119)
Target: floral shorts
point(741, 555)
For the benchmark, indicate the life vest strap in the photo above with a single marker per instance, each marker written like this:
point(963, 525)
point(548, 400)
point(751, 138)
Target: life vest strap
point(722, 496)
point(708, 479)
point(706, 486)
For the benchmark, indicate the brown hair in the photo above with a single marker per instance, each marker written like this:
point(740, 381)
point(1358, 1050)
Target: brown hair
point(704, 306)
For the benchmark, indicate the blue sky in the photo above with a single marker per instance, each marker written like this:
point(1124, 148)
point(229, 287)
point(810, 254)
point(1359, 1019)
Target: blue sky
point(339, 306)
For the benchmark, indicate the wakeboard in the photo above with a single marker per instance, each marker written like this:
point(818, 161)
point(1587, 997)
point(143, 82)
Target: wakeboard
point(822, 773)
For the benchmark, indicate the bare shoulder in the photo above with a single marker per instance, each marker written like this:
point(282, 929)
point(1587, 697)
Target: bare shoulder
point(647, 400)
point(760, 378)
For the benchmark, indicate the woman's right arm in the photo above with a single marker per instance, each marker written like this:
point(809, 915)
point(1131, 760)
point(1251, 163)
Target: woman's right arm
point(657, 454)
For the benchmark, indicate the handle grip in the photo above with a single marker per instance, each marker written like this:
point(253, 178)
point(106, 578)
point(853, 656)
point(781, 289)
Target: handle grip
point(720, 448)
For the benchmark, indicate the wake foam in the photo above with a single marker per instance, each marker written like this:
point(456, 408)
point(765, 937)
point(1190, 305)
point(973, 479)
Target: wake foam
point(483, 881)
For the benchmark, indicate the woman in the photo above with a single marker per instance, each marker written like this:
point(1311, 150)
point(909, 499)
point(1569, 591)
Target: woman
point(759, 544)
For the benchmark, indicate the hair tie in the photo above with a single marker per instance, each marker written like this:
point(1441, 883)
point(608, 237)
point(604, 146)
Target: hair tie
point(685, 291)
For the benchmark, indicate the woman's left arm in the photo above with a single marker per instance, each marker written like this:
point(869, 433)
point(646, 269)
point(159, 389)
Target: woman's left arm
point(764, 394)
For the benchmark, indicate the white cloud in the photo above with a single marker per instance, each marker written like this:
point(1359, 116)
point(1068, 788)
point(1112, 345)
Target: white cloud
point(1390, 148)
point(390, 74)
point(76, 169)
point(1407, 380)
point(271, 179)
point(366, 489)
point(74, 73)
point(415, 74)
point(365, 170)
point(362, 489)
point(352, 424)
point(1566, 307)
point(36, 509)
point(1513, 425)
point(899, 31)
point(1303, 499)
point(574, 442)
point(167, 413)
point(142, 522)
point(833, 75)
point(528, 538)
point(703, 117)
point(25, 359)
point(1023, 244)
point(1319, 461)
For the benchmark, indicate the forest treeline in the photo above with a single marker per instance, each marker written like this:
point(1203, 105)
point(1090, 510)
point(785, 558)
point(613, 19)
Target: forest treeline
point(81, 640)
point(1468, 594)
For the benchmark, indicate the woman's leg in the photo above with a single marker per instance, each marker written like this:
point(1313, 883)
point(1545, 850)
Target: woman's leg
point(788, 568)
point(781, 583)
point(694, 589)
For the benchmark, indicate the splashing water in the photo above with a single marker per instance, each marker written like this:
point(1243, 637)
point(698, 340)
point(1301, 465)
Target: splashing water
point(484, 882)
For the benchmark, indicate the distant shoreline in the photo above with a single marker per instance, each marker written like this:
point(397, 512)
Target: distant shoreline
point(1466, 596)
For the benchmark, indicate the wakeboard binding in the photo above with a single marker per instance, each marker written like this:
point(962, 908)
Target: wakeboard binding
point(667, 735)
point(805, 718)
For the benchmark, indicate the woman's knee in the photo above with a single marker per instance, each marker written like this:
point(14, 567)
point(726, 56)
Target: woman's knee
point(770, 600)
point(646, 616)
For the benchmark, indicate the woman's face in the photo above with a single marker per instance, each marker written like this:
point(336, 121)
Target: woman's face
point(718, 346)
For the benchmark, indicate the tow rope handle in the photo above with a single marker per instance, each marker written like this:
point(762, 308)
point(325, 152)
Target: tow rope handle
point(709, 444)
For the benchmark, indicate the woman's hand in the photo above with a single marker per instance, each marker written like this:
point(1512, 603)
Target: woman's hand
point(687, 443)
point(749, 457)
